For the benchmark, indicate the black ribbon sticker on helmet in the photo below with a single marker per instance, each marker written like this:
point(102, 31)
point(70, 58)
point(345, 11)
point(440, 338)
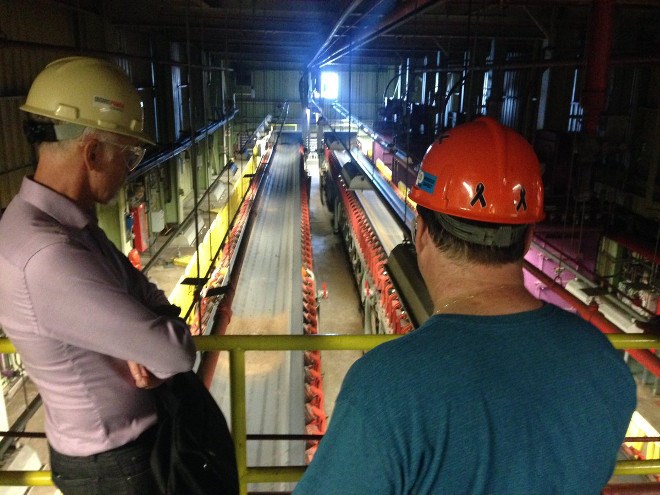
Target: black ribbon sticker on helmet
point(523, 202)
point(479, 196)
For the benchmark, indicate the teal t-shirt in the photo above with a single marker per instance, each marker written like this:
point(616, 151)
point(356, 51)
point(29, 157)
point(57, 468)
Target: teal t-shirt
point(531, 403)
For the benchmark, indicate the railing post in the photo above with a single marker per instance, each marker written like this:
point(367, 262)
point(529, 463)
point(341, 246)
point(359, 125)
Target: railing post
point(238, 413)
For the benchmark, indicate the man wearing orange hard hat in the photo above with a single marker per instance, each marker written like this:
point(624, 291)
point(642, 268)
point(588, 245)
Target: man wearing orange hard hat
point(497, 392)
point(92, 331)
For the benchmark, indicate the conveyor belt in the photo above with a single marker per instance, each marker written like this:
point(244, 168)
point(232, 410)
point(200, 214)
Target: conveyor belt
point(268, 300)
point(386, 227)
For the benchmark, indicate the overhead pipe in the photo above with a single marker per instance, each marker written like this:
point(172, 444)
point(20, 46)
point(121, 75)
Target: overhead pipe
point(542, 64)
point(61, 49)
point(349, 10)
point(599, 49)
point(591, 314)
point(546, 64)
point(396, 18)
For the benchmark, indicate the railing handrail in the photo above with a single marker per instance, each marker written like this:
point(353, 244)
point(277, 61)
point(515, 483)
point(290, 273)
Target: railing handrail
point(339, 342)
point(237, 345)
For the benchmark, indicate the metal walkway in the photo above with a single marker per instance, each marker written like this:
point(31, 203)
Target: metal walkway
point(268, 300)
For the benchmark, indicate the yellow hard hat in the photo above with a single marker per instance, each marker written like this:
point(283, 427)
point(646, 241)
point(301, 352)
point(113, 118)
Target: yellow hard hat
point(89, 92)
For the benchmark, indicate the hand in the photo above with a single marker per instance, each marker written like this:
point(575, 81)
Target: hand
point(168, 310)
point(142, 376)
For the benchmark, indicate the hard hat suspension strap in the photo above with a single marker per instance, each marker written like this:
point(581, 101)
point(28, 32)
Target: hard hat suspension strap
point(49, 132)
point(498, 236)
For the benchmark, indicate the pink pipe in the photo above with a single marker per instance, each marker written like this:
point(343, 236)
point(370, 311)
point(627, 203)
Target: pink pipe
point(591, 314)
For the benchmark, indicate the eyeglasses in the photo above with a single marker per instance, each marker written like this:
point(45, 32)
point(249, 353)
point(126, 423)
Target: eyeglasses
point(132, 155)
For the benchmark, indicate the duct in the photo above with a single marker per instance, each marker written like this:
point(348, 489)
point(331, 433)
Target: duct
point(600, 46)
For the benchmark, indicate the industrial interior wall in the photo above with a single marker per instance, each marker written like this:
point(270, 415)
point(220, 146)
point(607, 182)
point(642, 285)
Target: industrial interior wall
point(362, 90)
point(169, 93)
point(112, 220)
point(168, 182)
point(17, 69)
point(271, 89)
point(68, 33)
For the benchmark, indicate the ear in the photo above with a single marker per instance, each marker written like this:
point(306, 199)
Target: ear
point(90, 153)
point(421, 233)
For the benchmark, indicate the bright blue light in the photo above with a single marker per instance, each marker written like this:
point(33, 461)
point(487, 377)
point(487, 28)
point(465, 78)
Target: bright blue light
point(329, 85)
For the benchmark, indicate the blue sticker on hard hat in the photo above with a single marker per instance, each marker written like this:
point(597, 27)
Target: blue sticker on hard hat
point(426, 182)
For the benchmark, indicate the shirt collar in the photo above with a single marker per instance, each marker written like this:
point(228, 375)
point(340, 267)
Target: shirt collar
point(55, 205)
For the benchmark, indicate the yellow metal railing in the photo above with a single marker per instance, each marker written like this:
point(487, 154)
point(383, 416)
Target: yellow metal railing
point(238, 345)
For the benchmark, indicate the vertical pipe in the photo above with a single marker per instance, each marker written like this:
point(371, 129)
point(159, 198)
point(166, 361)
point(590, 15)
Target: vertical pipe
point(238, 413)
point(599, 49)
point(152, 70)
point(437, 96)
point(193, 161)
point(425, 98)
point(406, 94)
point(209, 359)
point(350, 96)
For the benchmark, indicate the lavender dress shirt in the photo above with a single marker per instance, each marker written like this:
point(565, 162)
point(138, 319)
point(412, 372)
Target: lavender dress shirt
point(77, 310)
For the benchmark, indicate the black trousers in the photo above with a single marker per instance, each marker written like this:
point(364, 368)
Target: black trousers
point(122, 471)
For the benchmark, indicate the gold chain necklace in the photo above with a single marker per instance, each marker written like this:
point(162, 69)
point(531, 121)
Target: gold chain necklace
point(466, 298)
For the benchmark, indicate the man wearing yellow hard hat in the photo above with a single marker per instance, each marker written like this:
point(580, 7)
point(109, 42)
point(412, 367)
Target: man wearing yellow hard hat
point(92, 331)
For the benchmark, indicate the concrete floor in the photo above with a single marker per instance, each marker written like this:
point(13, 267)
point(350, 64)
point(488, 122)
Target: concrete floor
point(340, 312)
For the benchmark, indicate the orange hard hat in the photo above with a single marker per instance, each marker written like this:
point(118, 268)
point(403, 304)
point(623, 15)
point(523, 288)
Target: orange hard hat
point(481, 171)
